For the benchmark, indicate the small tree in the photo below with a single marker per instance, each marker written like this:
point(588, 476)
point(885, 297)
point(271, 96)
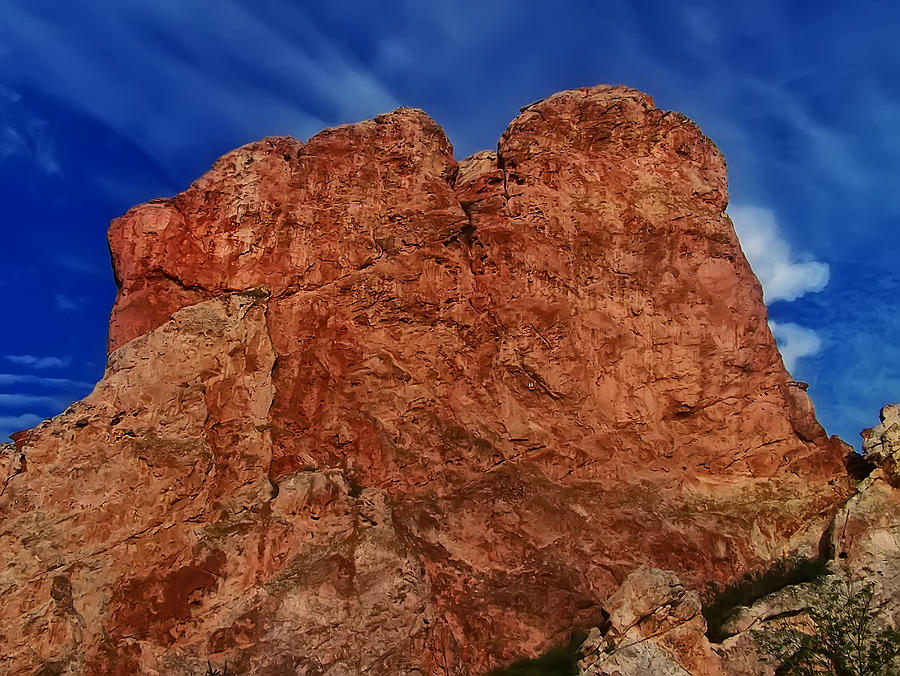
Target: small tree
point(843, 636)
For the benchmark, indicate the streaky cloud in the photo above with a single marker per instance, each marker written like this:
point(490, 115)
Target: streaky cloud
point(41, 381)
point(285, 84)
point(24, 135)
point(21, 400)
point(38, 363)
point(65, 303)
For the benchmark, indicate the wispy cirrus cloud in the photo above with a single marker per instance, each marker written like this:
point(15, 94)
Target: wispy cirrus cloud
point(38, 363)
point(20, 400)
point(38, 396)
point(14, 423)
point(66, 303)
point(24, 135)
point(7, 379)
point(292, 81)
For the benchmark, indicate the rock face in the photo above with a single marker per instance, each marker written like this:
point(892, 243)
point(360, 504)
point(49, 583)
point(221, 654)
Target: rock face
point(654, 627)
point(654, 624)
point(881, 444)
point(368, 410)
point(866, 536)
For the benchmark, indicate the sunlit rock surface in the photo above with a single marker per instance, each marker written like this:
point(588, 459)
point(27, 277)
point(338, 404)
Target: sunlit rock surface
point(370, 410)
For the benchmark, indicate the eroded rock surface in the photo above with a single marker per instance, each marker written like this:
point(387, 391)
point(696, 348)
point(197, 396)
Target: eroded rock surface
point(147, 537)
point(369, 410)
point(654, 627)
point(866, 537)
point(881, 444)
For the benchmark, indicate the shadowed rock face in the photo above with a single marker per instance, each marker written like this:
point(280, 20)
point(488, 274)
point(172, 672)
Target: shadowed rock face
point(368, 410)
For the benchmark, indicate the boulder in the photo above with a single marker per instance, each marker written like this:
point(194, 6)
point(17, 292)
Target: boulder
point(655, 627)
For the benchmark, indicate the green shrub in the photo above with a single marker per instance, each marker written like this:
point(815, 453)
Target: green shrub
point(720, 602)
point(558, 661)
point(844, 636)
point(212, 671)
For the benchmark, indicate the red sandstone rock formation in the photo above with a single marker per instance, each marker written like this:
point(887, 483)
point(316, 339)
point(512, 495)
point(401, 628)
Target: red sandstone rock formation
point(368, 410)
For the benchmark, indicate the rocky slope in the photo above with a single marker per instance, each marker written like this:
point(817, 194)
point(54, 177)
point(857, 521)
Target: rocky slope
point(370, 410)
point(655, 624)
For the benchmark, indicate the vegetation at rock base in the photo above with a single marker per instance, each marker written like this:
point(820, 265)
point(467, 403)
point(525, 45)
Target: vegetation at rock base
point(212, 671)
point(559, 661)
point(842, 635)
point(720, 601)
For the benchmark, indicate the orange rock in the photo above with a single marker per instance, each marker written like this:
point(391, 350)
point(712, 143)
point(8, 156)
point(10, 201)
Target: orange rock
point(368, 410)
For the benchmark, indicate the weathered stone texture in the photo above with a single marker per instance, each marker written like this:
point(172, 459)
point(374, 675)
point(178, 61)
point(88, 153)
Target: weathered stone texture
point(368, 409)
point(654, 627)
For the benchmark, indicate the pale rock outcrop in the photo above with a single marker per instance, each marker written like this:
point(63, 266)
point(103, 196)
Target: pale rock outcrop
point(866, 534)
point(740, 651)
point(787, 601)
point(881, 444)
point(654, 627)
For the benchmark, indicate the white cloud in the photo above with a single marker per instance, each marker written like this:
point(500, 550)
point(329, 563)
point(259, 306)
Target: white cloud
point(65, 303)
point(29, 379)
point(795, 342)
point(782, 276)
point(22, 400)
point(14, 423)
point(39, 363)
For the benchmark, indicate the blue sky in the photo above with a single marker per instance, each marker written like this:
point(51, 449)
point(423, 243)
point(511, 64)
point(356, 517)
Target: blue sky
point(104, 104)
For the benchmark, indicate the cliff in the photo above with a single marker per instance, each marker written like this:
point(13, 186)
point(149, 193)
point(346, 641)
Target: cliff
point(370, 410)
